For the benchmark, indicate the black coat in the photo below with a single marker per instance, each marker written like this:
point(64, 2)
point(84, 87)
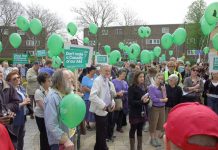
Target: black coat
point(135, 94)
point(174, 95)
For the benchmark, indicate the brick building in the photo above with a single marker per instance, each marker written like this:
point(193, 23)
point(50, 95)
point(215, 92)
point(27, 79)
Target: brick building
point(128, 34)
point(28, 45)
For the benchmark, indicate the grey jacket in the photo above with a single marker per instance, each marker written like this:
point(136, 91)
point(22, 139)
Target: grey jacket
point(54, 126)
point(33, 84)
point(188, 83)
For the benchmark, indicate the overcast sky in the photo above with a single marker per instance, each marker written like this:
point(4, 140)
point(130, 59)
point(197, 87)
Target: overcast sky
point(150, 11)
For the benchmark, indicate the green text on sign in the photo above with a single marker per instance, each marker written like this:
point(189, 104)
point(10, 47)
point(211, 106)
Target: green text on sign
point(215, 63)
point(41, 53)
point(101, 59)
point(76, 57)
point(20, 58)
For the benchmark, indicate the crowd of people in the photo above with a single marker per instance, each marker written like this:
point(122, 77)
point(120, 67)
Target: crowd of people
point(156, 98)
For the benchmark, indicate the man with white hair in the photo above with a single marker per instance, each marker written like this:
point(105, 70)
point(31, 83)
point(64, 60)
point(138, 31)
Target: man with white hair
point(6, 68)
point(102, 104)
point(174, 93)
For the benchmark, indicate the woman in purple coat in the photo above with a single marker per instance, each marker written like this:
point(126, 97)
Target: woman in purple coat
point(121, 85)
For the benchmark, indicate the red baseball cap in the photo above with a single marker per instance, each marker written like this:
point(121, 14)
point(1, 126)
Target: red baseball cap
point(189, 119)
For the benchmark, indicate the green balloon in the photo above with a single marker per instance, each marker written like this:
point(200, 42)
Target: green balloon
point(93, 28)
point(55, 44)
point(15, 40)
point(86, 40)
point(205, 27)
point(211, 13)
point(206, 50)
point(126, 48)
point(147, 31)
point(1, 48)
point(35, 26)
point(152, 56)
point(72, 28)
point(142, 32)
point(114, 57)
point(56, 62)
point(166, 41)
point(107, 49)
point(121, 45)
point(72, 110)
point(179, 36)
point(50, 54)
point(215, 41)
point(22, 23)
point(170, 52)
point(145, 57)
point(157, 51)
point(134, 51)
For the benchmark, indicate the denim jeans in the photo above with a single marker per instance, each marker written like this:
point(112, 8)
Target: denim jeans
point(54, 147)
point(213, 103)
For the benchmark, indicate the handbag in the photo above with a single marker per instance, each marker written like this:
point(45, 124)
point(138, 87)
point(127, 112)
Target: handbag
point(118, 104)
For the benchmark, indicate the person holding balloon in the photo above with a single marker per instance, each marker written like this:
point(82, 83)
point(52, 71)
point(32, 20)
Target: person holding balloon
point(102, 105)
point(57, 131)
point(87, 83)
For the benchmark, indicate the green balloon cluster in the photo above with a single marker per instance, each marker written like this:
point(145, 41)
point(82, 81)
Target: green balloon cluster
point(86, 40)
point(179, 36)
point(144, 32)
point(56, 62)
point(114, 57)
point(72, 110)
point(72, 28)
point(107, 49)
point(145, 57)
point(134, 51)
point(215, 41)
point(157, 51)
point(206, 50)
point(55, 44)
point(121, 45)
point(166, 40)
point(50, 55)
point(15, 40)
point(1, 48)
point(35, 26)
point(205, 27)
point(171, 52)
point(93, 28)
point(126, 48)
point(22, 23)
point(211, 13)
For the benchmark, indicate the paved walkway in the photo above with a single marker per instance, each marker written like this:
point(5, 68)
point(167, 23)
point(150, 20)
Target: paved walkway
point(87, 141)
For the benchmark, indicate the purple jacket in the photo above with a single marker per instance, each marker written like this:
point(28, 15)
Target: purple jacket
point(155, 95)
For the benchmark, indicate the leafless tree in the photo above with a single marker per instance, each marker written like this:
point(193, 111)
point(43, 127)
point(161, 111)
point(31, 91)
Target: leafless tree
point(130, 18)
point(51, 22)
point(100, 12)
point(9, 11)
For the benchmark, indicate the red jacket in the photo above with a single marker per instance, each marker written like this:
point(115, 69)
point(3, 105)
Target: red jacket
point(5, 141)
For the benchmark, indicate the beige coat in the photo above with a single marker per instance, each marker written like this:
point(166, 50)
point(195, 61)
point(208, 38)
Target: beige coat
point(32, 81)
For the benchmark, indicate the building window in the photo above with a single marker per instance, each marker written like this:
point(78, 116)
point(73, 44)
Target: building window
point(6, 32)
point(165, 30)
point(20, 32)
point(119, 31)
point(92, 43)
point(191, 52)
point(104, 32)
point(31, 43)
point(153, 41)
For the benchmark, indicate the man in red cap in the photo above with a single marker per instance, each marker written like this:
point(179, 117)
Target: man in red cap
point(5, 141)
point(191, 126)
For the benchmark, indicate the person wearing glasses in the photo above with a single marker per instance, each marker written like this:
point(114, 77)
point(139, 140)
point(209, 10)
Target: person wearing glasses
point(171, 70)
point(193, 86)
point(18, 125)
